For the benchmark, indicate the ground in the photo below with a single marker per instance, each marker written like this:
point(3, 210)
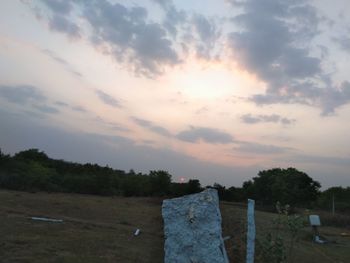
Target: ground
point(100, 229)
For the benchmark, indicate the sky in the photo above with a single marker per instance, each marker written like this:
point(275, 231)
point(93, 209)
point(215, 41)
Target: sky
point(216, 90)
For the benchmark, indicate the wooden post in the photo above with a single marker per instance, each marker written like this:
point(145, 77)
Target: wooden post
point(250, 232)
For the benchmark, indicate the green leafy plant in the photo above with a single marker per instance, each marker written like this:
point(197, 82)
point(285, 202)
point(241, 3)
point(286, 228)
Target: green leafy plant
point(277, 246)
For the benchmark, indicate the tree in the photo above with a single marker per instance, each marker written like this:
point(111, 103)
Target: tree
point(234, 194)
point(221, 190)
point(193, 186)
point(339, 195)
point(32, 155)
point(160, 182)
point(3, 157)
point(289, 186)
point(179, 189)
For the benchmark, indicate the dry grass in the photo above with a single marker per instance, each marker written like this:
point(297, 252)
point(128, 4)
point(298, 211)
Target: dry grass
point(95, 229)
point(100, 229)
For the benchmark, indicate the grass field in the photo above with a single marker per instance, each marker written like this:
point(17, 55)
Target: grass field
point(100, 229)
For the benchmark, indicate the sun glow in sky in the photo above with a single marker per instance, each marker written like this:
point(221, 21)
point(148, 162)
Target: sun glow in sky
point(213, 90)
point(210, 81)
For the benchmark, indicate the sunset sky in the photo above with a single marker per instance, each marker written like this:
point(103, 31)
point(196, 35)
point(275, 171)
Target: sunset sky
point(209, 89)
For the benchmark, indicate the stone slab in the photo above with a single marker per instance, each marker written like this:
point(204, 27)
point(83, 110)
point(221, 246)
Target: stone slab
point(192, 229)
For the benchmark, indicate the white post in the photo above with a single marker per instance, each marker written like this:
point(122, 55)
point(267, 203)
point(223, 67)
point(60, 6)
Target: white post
point(250, 232)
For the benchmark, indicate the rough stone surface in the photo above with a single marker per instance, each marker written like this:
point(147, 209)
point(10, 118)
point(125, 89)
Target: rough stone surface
point(192, 228)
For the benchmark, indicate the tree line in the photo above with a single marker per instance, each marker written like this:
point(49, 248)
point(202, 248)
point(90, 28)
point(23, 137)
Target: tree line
point(32, 170)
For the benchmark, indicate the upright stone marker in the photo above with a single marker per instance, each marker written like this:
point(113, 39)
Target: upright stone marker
point(192, 228)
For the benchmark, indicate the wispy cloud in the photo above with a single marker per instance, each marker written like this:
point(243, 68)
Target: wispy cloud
point(46, 109)
point(61, 104)
point(27, 95)
point(274, 43)
point(272, 40)
point(151, 126)
point(111, 125)
point(124, 31)
point(21, 94)
point(108, 99)
point(59, 21)
point(261, 118)
point(78, 108)
point(319, 159)
point(209, 135)
point(117, 151)
point(174, 17)
point(208, 34)
point(343, 40)
point(258, 148)
point(61, 61)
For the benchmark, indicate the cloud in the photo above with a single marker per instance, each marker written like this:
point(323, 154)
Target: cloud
point(318, 159)
point(118, 140)
point(202, 110)
point(343, 42)
point(108, 99)
point(61, 61)
point(73, 107)
point(273, 40)
point(59, 6)
point(78, 108)
point(173, 17)
point(257, 148)
point(52, 55)
point(59, 20)
point(332, 98)
point(61, 104)
point(27, 95)
point(18, 133)
point(208, 34)
point(122, 32)
point(274, 43)
point(209, 135)
point(21, 94)
point(132, 38)
point(152, 127)
point(110, 124)
point(199, 32)
point(273, 118)
point(64, 25)
point(165, 4)
point(46, 109)
point(118, 127)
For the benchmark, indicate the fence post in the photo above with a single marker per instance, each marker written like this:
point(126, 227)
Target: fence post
point(250, 232)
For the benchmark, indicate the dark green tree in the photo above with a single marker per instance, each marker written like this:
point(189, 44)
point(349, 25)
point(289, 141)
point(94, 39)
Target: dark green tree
point(221, 190)
point(289, 186)
point(160, 182)
point(4, 158)
point(339, 195)
point(234, 194)
point(32, 155)
point(193, 186)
